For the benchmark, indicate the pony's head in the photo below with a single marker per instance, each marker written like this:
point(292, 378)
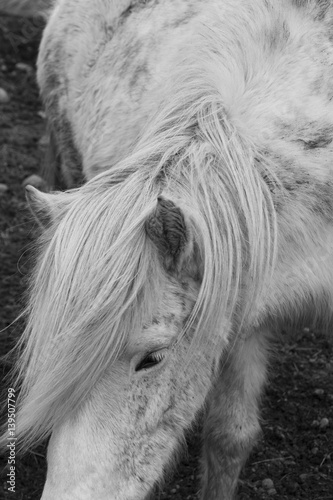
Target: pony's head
point(143, 276)
point(105, 365)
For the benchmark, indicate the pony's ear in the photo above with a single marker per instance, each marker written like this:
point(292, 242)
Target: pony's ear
point(168, 229)
point(41, 205)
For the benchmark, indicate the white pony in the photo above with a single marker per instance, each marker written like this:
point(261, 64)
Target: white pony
point(160, 282)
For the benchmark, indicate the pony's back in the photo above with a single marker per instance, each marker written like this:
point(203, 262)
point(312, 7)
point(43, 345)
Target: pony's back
point(269, 62)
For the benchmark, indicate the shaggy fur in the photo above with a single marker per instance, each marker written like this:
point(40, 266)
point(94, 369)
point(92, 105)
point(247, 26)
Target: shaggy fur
point(160, 282)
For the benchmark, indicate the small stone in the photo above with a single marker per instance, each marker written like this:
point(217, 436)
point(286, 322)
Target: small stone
point(267, 484)
point(4, 97)
point(306, 330)
point(35, 181)
point(293, 487)
point(324, 423)
point(290, 462)
point(314, 451)
point(44, 141)
point(272, 491)
point(318, 392)
point(280, 434)
point(41, 114)
point(3, 67)
point(24, 67)
point(303, 477)
point(3, 188)
point(315, 423)
point(174, 490)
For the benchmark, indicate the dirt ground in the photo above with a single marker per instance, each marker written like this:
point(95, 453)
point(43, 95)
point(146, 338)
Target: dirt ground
point(295, 451)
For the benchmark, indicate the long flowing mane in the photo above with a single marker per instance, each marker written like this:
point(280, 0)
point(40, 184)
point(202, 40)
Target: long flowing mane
point(98, 273)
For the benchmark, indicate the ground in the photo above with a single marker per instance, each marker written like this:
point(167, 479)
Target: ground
point(293, 459)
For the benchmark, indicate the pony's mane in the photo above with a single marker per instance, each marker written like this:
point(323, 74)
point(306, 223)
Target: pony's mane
point(98, 273)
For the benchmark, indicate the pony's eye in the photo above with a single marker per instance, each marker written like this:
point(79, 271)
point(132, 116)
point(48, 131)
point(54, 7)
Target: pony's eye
point(150, 360)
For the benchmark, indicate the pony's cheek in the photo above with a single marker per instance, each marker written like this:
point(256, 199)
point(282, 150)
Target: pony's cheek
point(150, 395)
point(169, 398)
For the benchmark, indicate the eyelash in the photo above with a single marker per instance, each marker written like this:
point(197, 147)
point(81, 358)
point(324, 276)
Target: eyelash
point(150, 360)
